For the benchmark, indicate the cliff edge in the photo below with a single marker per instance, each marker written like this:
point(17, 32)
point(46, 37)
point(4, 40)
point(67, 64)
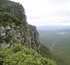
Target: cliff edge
point(14, 28)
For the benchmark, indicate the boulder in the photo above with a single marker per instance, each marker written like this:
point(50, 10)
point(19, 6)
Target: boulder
point(8, 28)
point(3, 34)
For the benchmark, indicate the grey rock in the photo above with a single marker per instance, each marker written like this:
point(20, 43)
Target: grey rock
point(25, 34)
point(2, 34)
point(5, 45)
point(2, 29)
point(17, 27)
point(12, 25)
point(8, 28)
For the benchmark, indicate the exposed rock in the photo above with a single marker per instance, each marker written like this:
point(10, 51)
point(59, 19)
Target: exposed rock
point(5, 45)
point(8, 28)
point(2, 34)
point(28, 36)
point(15, 29)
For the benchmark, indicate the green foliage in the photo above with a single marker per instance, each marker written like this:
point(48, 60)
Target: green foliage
point(6, 18)
point(11, 12)
point(7, 39)
point(24, 36)
point(45, 52)
point(17, 48)
point(1, 40)
point(3, 1)
point(23, 59)
point(25, 56)
point(6, 32)
point(13, 8)
point(3, 53)
point(14, 40)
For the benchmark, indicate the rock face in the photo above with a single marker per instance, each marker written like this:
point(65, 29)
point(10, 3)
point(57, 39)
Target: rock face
point(13, 32)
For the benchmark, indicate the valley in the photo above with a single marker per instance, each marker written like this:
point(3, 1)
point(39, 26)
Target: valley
point(58, 41)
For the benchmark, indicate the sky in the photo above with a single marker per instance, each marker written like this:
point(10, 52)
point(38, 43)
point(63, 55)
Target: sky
point(47, 12)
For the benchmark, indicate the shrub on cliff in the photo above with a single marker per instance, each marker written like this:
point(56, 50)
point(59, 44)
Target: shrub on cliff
point(23, 56)
point(6, 18)
point(17, 48)
point(3, 53)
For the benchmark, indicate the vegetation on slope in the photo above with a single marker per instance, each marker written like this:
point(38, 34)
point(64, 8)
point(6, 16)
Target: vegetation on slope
point(45, 52)
point(22, 56)
point(6, 17)
point(60, 51)
point(11, 11)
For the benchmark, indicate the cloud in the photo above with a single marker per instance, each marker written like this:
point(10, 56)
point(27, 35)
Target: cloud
point(50, 21)
point(47, 12)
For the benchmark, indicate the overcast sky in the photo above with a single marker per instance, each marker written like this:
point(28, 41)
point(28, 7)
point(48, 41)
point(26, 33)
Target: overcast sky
point(47, 12)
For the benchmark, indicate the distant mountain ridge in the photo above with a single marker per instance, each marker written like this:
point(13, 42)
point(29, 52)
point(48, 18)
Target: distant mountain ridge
point(54, 28)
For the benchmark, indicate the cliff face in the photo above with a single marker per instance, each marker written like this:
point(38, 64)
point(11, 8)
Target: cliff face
point(14, 28)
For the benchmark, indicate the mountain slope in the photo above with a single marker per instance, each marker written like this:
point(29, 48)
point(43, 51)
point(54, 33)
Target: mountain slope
point(14, 30)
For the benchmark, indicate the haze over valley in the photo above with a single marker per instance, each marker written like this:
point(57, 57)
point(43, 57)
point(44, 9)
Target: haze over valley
point(57, 39)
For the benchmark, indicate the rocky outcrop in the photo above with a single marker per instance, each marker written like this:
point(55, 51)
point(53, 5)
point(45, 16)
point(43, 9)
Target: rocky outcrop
point(15, 29)
point(12, 35)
